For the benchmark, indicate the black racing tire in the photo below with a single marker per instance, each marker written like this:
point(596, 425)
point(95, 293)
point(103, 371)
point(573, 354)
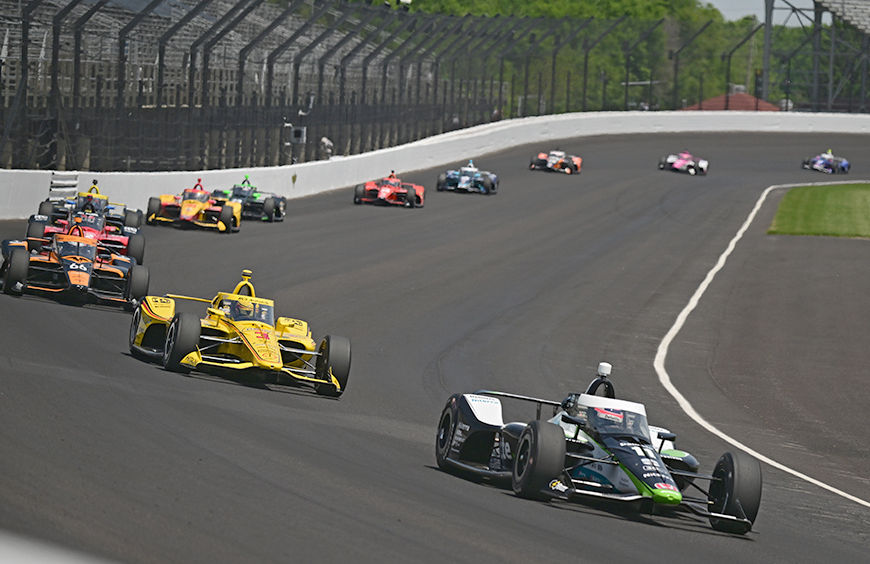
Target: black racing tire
point(442, 182)
point(17, 264)
point(136, 247)
point(153, 210)
point(137, 282)
point(269, 209)
point(487, 186)
point(46, 208)
point(539, 459)
point(736, 491)
point(569, 169)
point(335, 354)
point(444, 437)
point(35, 230)
point(532, 165)
point(411, 198)
point(661, 164)
point(691, 170)
point(358, 192)
point(134, 329)
point(131, 218)
point(226, 217)
point(182, 338)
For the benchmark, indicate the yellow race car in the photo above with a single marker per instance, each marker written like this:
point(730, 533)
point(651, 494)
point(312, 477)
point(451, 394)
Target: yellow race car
point(195, 207)
point(239, 337)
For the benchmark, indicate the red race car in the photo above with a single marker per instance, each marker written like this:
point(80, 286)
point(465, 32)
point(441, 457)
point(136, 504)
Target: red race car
point(390, 191)
point(120, 240)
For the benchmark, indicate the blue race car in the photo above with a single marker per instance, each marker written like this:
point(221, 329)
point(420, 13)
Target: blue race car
point(468, 178)
point(827, 163)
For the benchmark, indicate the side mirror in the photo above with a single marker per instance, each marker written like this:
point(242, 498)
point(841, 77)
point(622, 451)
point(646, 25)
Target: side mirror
point(666, 437)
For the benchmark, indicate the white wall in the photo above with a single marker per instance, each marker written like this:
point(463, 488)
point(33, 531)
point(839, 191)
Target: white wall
point(21, 191)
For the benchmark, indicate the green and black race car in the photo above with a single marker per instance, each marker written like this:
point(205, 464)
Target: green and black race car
point(594, 448)
point(257, 205)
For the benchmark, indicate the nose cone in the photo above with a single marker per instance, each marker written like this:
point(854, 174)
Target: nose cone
point(79, 280)
point(667, 494)
point(189, 210)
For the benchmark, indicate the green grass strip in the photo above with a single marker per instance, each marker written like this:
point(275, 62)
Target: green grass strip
point(833, 211)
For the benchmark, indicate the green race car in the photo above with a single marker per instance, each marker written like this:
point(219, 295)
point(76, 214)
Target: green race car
point(257, 205)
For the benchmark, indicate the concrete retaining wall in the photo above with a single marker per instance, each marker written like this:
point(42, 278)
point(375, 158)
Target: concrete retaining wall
point(21, 191)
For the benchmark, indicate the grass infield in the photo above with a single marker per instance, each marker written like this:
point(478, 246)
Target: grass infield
point(832, 211)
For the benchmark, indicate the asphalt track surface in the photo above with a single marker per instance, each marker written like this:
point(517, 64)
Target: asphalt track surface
point(525, 292)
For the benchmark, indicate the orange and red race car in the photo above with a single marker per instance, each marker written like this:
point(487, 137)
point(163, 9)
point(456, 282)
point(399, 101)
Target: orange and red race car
point(195, 207)
point(72, 267)
point(556, 161)
point(122, 240)
point(390, 191)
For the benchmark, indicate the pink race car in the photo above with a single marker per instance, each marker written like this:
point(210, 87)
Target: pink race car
point(684, 162)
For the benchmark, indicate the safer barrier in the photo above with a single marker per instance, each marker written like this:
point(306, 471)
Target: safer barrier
point(21, 191)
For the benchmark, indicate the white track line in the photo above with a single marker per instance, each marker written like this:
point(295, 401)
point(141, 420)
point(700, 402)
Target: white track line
point(662, 352)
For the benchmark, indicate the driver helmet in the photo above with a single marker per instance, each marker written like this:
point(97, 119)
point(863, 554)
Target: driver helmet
point(242, 309)
point(571, 405)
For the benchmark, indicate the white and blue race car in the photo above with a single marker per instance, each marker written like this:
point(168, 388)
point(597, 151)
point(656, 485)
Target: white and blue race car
point(468, 178)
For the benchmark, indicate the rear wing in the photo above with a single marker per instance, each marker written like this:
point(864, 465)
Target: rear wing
point(538, 401)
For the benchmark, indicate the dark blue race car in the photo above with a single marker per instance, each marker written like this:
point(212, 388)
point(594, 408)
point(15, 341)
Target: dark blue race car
point(468, 178)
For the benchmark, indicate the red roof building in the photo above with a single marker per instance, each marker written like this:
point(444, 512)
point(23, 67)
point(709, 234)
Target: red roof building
point(738, 102)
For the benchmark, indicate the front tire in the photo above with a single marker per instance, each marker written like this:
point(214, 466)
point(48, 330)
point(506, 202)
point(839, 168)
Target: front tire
point(269, 209)
point(442, 182)
point(16, 271)
point(134, 329)
point(46, 208)
point(334, 355)
point(411, 198)
point(540, 458)
point(153, 210)
point(226, 217)
point(444, 438)
point(182, 338)
point(358, 192)
point(736, 491)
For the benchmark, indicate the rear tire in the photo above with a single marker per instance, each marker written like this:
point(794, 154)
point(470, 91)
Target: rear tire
point(18, 263)
point(736, 492)
point(153, 210)
point(540, 458)
point(136, 247)
point(131, 218)
point(335, 355)
point(182, 338)
point(46, 208)
point(137, 285)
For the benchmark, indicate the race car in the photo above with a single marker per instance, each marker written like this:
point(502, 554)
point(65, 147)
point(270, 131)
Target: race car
point(828, 163)
point(239, 338)
point(595, 447)
point(390, 191)
point(122, 240)
point(468, 179)
point(684, 162)
point(556, 161)
point(117, 215)
point(73, 267)
point(195, 207)
point(261, 206)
